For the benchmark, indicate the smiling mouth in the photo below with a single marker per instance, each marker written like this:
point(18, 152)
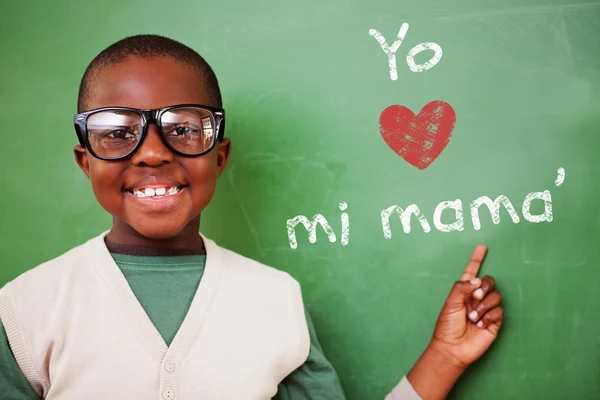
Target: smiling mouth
point(155, 192)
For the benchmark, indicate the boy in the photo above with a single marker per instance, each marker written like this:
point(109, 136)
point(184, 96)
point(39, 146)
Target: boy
point(153, 309)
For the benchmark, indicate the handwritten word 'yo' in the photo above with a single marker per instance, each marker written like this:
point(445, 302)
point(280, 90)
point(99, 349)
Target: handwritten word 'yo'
point(410, 58)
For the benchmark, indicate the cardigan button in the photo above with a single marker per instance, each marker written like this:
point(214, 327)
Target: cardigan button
point(170, 366)
point(168, 394)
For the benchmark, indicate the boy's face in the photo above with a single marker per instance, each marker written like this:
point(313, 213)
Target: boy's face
point(148, 84)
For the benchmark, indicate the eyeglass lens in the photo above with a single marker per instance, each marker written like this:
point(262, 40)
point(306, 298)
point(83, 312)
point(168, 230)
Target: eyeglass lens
point(115, 133)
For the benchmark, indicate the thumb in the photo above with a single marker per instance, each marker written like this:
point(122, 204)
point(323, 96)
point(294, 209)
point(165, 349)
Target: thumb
point(461, 291)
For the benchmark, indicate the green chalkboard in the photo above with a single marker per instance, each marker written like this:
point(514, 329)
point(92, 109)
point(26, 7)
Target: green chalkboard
point(304, 85)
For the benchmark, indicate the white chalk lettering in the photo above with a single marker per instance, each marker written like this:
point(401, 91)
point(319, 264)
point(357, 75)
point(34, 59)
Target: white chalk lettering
point(311, 227)
point(404, 217)
point(547, 215)
point(345, 224)
point(560, 178)
point(494, 207)
point(410, 58)
point(457, 225)
point(390, 51)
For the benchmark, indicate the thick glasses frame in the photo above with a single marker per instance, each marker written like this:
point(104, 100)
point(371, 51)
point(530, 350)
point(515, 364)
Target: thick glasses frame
point(147, 116)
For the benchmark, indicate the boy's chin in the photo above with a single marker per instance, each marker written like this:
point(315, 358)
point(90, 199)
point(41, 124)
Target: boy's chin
point(159, 230)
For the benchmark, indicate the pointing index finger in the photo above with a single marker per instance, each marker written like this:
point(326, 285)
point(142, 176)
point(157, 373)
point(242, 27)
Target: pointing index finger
point(474, 263)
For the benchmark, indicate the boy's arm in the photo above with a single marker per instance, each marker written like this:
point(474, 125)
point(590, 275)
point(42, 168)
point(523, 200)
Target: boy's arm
point(13, 384)
point(316, 379)
point(466, 327)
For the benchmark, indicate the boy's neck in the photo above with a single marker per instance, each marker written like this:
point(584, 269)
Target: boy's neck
point(124, 239)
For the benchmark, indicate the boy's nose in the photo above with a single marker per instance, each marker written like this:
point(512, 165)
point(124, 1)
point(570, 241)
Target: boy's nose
point(153, 151)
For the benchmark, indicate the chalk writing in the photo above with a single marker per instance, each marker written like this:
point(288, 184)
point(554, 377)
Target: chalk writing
point(345, 223)
point(390, 51)
point(311, 227)
point(405, 215)
point(457, 225)
point(494, 207)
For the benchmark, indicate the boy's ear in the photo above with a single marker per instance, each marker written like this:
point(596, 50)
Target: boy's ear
point(223, 150)
point(81, 157)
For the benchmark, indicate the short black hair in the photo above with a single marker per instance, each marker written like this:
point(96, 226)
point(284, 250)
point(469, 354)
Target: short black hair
point(147, 46)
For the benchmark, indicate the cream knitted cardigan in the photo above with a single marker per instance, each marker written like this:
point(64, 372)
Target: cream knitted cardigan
point(78, 332)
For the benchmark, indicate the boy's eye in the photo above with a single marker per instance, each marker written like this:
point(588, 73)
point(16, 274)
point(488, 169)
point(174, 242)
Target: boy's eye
point(118, 134)
point(182, 130)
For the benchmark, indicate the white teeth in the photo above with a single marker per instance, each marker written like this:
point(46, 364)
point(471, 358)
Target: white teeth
point(156, 192)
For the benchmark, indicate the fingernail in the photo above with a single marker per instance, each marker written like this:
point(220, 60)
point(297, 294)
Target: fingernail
point(475, 281)
point(478, 293)
point(473, 315)
point(480, 324)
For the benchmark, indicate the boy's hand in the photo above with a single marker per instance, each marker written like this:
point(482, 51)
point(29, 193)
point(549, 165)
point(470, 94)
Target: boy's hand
point(471, 317)
point(460, 336)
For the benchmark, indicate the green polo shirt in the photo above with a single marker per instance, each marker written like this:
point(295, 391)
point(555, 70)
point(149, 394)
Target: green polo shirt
point(165, 287)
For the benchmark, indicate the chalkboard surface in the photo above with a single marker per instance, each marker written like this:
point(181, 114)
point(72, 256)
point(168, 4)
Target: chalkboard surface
point(509, 92)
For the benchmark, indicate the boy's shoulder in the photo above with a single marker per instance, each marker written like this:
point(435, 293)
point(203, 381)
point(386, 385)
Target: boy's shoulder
point(48, 272)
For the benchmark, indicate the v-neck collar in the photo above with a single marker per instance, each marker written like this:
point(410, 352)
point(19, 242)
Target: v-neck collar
point(191, 326)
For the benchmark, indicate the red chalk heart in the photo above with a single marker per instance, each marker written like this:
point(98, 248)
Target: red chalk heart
point(419, 139)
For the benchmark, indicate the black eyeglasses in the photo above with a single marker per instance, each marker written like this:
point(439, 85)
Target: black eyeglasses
point(114, 133)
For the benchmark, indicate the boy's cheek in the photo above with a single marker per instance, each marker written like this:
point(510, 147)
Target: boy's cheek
point(106, 182)
point(106, 172)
